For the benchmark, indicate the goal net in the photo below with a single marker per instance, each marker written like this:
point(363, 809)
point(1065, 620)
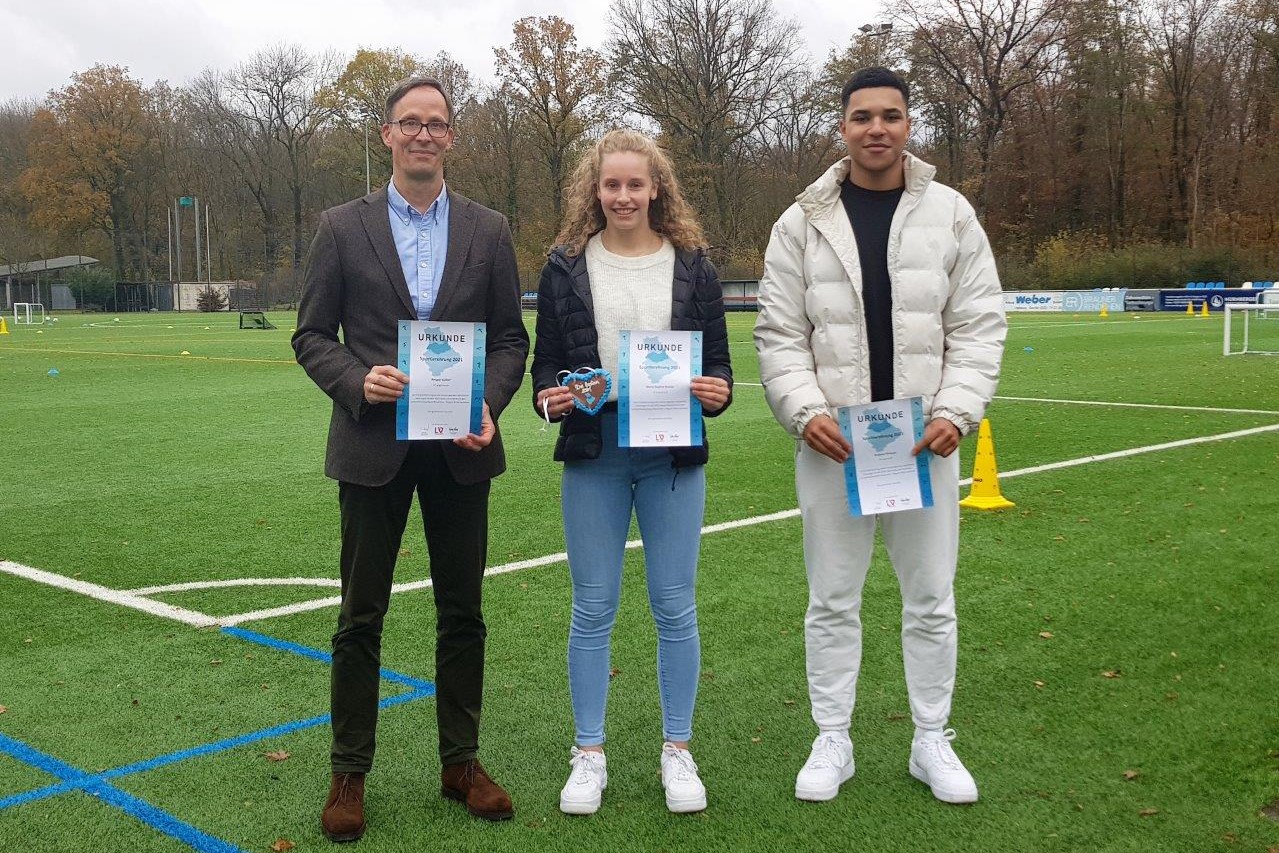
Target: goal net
point(254, 320)
point(1251, 329)
point(28, 314)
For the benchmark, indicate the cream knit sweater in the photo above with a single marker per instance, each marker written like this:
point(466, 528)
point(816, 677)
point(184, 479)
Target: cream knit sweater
point(628, 293)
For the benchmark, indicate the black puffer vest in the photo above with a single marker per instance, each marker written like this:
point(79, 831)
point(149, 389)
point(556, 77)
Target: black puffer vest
point(567, 340)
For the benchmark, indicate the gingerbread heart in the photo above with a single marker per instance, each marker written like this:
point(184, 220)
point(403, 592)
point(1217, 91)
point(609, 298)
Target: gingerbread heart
point(590, 387)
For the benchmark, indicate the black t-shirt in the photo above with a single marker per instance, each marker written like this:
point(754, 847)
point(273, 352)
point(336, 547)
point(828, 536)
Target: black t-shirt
point(871, 214)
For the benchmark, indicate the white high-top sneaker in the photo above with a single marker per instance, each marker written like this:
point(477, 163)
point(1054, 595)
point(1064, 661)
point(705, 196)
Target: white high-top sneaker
point(933, 762)
point(829, 765)
point(586, 782)
point(684, 790)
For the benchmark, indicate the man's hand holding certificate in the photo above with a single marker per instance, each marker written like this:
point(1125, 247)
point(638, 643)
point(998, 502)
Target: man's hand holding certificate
point(887, 468)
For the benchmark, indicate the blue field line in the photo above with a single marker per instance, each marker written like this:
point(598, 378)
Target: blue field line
point(417, 684)
point(85, 781)
point(97, 785)
point(38, 794)
point(214, 748)
point(37, 759)
point(156, 818)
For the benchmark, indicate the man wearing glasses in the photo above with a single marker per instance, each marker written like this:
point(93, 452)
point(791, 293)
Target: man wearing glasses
point(414, 250)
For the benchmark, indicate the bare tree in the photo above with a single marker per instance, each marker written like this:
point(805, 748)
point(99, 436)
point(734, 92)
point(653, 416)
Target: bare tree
point(238, 132)
point(17, 237)
point(285, 81)
point(492, 139)
point(799, 139)
point(267, 114)
point(709, 73)
point(1109, 86)
point(1176, 32)
point(990, 49)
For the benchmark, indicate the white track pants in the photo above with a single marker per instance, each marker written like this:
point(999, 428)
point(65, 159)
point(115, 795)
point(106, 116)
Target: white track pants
point(923, 546)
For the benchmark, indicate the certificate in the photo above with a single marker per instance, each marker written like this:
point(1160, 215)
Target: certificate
point(655, 403)
point(445, 395)
point(880, 473)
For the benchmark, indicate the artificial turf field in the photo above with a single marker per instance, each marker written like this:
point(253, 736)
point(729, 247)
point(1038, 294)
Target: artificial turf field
point(1119, 628)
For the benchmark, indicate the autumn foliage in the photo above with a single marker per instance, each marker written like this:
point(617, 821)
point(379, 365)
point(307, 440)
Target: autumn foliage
point(1105, 143)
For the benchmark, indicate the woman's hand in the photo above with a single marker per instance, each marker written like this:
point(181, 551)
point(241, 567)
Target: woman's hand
point(711, 391)
point(555, 402)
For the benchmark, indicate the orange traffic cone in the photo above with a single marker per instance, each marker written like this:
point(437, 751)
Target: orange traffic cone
point(985, 491)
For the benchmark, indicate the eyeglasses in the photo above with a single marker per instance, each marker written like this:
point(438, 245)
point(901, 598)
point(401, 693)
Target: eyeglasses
point(434, 129)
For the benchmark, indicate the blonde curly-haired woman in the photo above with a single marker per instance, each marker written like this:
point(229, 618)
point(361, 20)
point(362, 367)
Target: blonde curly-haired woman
point(630, 255)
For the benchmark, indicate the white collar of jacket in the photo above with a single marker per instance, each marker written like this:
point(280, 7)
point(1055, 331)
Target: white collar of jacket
point(823, 193)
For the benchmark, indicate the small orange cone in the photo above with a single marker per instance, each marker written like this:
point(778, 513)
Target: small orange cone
point(1204, 311)
point(985, 491)
point(1190, 308)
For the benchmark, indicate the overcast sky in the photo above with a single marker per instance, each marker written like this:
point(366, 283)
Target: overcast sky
point(43, 42)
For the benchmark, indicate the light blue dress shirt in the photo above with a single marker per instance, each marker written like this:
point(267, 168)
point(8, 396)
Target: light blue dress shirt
point(421, 240)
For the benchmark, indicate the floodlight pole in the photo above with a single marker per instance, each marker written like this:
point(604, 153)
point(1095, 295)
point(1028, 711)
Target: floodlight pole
point(366, 155)
point(198, 275)
point(877, 31)
point(177, 245)
point(208, 258)
point(168, 223)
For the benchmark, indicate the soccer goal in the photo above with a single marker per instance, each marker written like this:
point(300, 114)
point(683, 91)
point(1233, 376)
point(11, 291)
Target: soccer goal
point(1243, 333)
point(254, 320)
point(28, 314)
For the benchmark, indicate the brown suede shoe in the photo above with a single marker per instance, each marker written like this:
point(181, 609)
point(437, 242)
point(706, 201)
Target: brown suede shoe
point(343, 815)
point(469, 783)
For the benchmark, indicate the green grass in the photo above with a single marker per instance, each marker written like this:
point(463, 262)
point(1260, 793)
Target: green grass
point(137, 466)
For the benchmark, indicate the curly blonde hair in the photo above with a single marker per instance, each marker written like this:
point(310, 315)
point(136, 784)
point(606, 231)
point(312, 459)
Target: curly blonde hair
point(669, 214)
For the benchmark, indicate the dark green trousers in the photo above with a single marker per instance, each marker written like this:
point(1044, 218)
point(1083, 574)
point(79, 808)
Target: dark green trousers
point(456, 521)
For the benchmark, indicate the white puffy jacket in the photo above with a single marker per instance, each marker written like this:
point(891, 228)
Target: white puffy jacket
point(948, 311)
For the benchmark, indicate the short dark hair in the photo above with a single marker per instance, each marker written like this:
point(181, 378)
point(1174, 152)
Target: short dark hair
point(875, 77)
point(407, 85)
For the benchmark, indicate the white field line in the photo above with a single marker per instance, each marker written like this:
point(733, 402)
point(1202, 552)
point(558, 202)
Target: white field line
point(321, 603)
point(1208, 409)
point(114, 596)
point(288, 610)
point(1140, 406)
point(550, 559)
point(194, 585)
point(138, 602)
point(1121, 454)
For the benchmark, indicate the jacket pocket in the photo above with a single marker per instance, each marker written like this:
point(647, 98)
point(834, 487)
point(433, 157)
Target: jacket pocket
point(574, 447)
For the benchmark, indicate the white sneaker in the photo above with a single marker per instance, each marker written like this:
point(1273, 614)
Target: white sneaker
point(933, 762)
point(829, 765)
point(684, 790)
point(586, 782)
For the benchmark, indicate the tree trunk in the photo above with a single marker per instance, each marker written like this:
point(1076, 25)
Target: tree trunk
point(117, 237)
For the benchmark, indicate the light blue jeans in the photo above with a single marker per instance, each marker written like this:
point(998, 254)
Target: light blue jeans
point(597, 498)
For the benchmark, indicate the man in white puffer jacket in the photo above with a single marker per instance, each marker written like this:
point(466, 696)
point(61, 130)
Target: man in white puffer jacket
point(879, 284)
